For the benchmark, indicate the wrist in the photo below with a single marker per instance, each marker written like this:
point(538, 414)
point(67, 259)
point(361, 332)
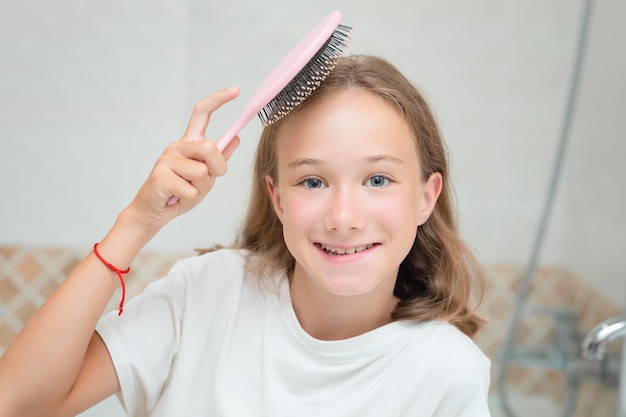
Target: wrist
point(125, 239)
point(120, 274)
point(136, 224)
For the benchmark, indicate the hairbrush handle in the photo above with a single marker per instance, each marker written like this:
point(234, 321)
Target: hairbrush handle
point(286, 70)
point(279, 80)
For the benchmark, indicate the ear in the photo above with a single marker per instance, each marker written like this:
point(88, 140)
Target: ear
point(274, 195)
point(430, 194)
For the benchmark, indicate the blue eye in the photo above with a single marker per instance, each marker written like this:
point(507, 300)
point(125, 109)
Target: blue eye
point(378, 181)
point(313, 183)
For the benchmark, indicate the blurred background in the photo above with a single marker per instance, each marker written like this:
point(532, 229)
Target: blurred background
point(530, 101)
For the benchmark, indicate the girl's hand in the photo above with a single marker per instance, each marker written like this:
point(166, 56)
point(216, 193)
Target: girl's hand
point(186, 171)
point(82, 373)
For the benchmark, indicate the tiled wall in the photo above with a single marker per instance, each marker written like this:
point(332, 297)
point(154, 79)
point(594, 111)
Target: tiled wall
point(29, 275)
point(553, 292)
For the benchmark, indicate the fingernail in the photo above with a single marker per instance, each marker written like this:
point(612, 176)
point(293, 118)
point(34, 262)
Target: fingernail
point(233, 88)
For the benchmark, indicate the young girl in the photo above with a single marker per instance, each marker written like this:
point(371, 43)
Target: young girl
point(347, 293)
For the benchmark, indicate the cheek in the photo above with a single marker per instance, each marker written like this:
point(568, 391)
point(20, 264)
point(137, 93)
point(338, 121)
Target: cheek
point(402, 227)
point(300, 217)
point(400, 207)
point(400, 217)
point(299, 212)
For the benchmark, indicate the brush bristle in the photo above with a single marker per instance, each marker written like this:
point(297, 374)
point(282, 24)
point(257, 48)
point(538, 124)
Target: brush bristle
point(308, 79)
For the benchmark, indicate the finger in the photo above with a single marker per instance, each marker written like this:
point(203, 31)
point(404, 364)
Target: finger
point(195, 173)
point(182, 191)
point(204, 151)
point(202, 110)
point(196, 162)
point(188, 181)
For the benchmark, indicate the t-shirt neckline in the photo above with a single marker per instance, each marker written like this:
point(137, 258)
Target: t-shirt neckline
point(374, 342)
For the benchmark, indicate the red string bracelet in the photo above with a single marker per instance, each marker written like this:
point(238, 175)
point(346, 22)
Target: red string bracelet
point(119, 273)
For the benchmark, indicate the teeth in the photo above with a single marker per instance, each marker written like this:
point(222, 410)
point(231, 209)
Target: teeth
point(343, 251)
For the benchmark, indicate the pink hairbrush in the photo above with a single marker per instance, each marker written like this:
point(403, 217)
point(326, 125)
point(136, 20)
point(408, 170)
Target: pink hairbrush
point(295, 77)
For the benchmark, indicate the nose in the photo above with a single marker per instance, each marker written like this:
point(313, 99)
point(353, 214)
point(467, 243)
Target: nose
point(345, 211)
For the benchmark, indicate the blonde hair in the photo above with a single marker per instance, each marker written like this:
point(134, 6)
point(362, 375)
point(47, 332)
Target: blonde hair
point(440, 279)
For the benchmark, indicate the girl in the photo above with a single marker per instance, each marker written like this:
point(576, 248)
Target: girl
point(347, 293)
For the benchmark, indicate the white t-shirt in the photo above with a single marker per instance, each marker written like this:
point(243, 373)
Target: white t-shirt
point(207, 341)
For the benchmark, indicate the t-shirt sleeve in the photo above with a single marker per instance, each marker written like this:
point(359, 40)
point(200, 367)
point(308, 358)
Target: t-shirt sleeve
point(143, 341)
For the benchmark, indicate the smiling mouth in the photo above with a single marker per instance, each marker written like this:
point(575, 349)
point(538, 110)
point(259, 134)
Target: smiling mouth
point(335, 251)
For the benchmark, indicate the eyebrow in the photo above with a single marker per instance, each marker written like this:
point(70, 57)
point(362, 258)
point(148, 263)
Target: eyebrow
point(388, 158)
point(305, 161)
point(368, 160)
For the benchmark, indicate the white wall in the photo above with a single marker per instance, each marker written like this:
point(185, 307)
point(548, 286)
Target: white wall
point(91, 92)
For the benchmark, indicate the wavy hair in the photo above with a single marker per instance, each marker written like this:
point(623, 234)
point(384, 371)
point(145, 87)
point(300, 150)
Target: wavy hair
point(440, 278)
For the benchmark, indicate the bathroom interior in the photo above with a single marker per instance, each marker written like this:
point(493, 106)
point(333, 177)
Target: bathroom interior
point(529, 95)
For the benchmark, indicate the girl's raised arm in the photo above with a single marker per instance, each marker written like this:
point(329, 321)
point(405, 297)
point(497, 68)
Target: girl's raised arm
point(58, 365)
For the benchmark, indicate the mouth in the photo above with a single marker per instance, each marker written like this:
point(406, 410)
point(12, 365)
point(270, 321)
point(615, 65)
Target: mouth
point(337, 251)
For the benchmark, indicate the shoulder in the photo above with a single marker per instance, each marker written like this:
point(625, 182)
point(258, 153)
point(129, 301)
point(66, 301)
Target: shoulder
point(215, 278)
point(452, 339)
point(222, 260)
point(200, 277)
point(219, 267)
point(444, 367)
point(454, 352)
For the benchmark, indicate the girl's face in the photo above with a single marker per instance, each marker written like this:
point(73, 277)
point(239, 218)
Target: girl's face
point(349, 193)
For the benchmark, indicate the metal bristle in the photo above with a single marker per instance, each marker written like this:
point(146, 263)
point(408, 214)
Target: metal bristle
point(308, 79)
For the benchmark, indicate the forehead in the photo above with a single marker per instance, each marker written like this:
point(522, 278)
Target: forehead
point(355, 121)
